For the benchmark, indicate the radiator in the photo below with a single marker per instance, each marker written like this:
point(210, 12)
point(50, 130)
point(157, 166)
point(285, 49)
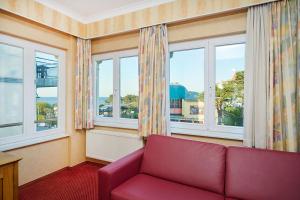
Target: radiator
point(109, 145)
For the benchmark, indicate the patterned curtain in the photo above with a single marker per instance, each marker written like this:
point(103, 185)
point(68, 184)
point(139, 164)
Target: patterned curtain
point(84, 86)
point(284, 96)
point(153, 50)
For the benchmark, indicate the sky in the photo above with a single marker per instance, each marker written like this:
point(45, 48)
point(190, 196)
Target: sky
point(186, 68)
point(129, 82)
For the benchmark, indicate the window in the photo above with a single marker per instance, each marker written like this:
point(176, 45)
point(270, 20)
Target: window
point(207, 87)
point(229, 84)
point(187, 85)
point(105, 88)
point(129, 87)
point(11, 90)
point(46, 91)
point(32, 93)
point(117, 88)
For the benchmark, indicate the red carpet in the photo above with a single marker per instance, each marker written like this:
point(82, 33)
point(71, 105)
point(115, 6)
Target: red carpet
point(76, 183)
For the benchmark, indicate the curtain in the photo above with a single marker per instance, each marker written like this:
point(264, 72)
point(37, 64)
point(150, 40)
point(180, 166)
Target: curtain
point(272, 107)
point(256, 76)
point(84, 86)
point(153, 50)
point(284, 120)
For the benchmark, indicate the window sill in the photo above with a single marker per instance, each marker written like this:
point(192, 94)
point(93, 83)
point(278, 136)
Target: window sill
point(23, 142)
point(120, 123)
point(174, 130)
point(209, 134)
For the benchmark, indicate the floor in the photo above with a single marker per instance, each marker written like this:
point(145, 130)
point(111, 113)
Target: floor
point(76, 183)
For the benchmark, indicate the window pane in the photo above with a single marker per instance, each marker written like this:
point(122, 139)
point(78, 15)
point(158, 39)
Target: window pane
point(105, 88)
point(11, 90)
point(46, 91)
point(187, 86)
point(230, 66)
point(129, 87)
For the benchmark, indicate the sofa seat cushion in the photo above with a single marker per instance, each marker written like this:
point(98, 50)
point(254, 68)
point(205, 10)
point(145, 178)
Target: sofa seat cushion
point(192, 163)
point(145, 187)
point(262, 174)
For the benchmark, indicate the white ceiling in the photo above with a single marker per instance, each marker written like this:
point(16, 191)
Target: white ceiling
point(88, 11)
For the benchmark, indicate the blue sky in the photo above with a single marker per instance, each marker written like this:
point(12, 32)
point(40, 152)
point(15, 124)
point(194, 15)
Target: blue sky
point(105, 77)
point(186, 68)
point(129, 82)
point(129, 76)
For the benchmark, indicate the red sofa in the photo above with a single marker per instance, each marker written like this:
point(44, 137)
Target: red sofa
point(175, 169)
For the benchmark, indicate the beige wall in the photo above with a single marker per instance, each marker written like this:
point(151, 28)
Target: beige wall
point(42, 159)
point(233, 23)
point(37, 12)
point(175, 11)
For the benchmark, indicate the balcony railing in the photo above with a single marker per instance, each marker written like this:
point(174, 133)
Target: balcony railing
point(46, 82)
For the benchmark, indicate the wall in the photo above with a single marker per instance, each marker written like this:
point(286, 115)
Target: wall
point(42, 159)
point(219, 25)
point(231, 23)
point(174, 11)
point(37, 12)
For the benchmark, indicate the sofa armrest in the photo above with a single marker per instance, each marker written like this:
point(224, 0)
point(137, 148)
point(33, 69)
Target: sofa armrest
point(114, 174)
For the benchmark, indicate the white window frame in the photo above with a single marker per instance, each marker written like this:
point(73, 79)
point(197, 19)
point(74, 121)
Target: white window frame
point(30, 135)
point(210, 128)
point(115, 120)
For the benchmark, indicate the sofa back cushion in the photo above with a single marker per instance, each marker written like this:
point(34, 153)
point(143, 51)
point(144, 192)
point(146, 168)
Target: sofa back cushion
point(188, 162)
point(262, 174)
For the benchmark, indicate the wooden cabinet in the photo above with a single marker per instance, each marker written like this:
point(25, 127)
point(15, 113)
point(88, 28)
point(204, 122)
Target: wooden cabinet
point(8, 176)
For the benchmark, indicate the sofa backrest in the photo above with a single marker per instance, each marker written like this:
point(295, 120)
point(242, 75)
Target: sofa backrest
point(188, 162)
point(262, 174)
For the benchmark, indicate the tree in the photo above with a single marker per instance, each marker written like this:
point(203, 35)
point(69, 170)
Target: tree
point(229, 94)
point(201, 96)
point(42, 109)
point(46, 113)
point(109, 100)
point(131, 100)
point(129, 106)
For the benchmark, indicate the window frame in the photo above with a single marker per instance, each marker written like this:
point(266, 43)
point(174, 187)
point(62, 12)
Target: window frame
point(184, 127)
point(210, 128)
point(115, 120)
point(30, 135)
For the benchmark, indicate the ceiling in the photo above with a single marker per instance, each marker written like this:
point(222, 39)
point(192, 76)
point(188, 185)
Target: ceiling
point(87, 11)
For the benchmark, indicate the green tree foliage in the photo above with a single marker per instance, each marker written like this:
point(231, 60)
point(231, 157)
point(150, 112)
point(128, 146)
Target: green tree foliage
point(201, 96)
point(109, 100)
point(42, 109)
point(129, 108)
point(229, 100)
point(45, 113)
